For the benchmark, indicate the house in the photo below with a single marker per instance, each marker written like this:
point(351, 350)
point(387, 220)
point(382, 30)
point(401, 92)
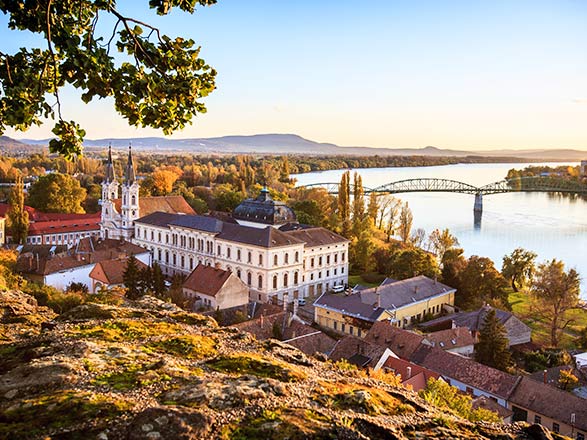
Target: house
point(402, 303)
point(517, 331)
point(487, 403)
point(60, 269)
point(213, 288)
point(412, 375)
point(308, 340)
point(403, 343)
point(466, 374)
point(456, 340)
point(361, 353)
point(110, 273)
point(535, 402)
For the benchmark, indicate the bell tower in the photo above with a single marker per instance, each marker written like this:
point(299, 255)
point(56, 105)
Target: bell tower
point(109, 194)
point(130, 199)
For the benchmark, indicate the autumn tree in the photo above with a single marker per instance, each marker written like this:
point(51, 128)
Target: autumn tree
point(441, 241)
point(344, 206)
point(567, 380)
point(418, 237)
point(453, 263)
point(405, 223)
point(412, 262)
point(359, 224)
point(481, 283)
point(57, 192)
point(17, 216)
point(518, 267)
point(492, 348)
point(158, 82)
point(158, 281)
point(373, 207)
point(361, 251)
point(554, 292)
point(163, 181)
point(308, 212)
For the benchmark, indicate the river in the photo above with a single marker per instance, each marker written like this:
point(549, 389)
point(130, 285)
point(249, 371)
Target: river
point(550, 225)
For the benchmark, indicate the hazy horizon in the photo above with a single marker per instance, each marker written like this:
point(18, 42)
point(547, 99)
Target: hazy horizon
point(454, 75)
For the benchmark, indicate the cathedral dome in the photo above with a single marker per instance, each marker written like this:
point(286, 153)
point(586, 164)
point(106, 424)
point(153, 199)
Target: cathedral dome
point(264, 210)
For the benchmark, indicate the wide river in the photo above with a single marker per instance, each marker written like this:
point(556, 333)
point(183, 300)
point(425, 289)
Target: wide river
point(550, 225)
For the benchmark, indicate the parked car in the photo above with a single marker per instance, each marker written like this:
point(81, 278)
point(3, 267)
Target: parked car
point(301, 302)
point(338, 289)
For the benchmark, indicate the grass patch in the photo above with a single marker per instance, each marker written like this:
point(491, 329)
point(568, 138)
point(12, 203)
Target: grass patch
point(132, 376)
point(358, 398)
point(186, 346)
point(63, 409)
point(125, 330)
point(521, 307)
point(257, 366)
point(358, 279)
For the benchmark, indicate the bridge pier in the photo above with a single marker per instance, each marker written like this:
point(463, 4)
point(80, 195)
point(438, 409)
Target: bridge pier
point(478, 207)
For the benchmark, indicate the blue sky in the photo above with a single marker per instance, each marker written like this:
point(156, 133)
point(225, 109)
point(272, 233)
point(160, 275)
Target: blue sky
point(454, 74)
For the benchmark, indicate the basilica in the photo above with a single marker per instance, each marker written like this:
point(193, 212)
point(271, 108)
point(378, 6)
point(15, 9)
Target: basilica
point(261, 242)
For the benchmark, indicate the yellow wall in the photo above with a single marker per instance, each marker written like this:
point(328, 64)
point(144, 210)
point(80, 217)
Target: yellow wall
point(547, 422)
point(335, 320)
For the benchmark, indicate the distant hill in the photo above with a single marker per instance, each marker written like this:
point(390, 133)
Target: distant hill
point(294, 144)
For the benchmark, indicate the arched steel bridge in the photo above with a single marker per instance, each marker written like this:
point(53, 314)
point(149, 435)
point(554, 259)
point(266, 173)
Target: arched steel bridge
point(520, 184)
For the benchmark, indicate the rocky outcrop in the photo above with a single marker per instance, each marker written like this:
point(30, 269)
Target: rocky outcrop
point(149, 370)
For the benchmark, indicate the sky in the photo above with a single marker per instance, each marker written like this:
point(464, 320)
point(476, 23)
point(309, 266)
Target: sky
point(470, 74)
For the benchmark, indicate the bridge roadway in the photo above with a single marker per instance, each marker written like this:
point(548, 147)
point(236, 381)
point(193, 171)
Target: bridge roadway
point(520, 184)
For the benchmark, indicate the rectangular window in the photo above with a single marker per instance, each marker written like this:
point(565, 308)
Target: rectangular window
point(580, 436)
point(350, 329)
point(335, 324)
point(555, 427)
point(537, 420)
point(343, 327)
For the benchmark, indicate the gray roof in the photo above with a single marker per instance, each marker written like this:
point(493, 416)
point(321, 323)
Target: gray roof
point(158, 219)
point(200, 222)
point(266, 237)
point(264, 210)
point(317, 236)
point(351, 305)
point(472, 320)
point(401, 293)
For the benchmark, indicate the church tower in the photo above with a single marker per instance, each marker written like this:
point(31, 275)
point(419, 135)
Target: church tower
point(109, 194)
point(130, 199)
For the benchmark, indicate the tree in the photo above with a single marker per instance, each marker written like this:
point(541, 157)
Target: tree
point(581, 340)
point(131, 278)
point(554, 293)
point(158, 280)
point(158, 82)
point(145, 281)
point(163, 181)
point(373, 207)
point(17, 216)
point(518, 267)
point(418, 237)
point(57, 192)
point(481, 283)
point(361, 251)
point(492, 349)
point(405, 223)
point(441, 241)
point(453, 263)
point(308, 212)
point(359, 224)
point(567, 380)
point(413, 262)
point(344, 203)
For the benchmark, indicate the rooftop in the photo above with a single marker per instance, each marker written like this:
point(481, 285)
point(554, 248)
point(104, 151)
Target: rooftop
point(264, 210)
point(207, 280)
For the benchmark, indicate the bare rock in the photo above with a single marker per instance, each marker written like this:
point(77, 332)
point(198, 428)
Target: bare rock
point(170, 423)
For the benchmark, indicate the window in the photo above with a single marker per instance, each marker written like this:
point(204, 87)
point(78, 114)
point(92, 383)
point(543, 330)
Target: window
point(218, 250)
point(227, 252)
point(312, 262)
point(328, 259)
point(297, 257)
point(174, 259)
point(342, 257)
point(537, 420)
point(275, 281)
point(335, 325)
point(238, 273)
point(336, 258)
point(319, 261)
point(167, 257)
point(260, 282)
point(152, 235)
point(580, 436)
point(343, 327)
point(260, 259)
point(250, 257)
point(350, 329)
point(285, 280)
point(159, 237)
point(286, 258)
point(249, 279)
point(275, 260)
point(555, 427)
point(133, 200)
point(296, 278)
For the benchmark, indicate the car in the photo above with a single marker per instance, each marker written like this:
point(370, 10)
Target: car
point(301, 302)
point(338, 289)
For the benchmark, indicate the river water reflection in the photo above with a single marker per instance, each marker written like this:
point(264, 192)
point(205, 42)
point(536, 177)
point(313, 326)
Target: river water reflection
point(550, 225)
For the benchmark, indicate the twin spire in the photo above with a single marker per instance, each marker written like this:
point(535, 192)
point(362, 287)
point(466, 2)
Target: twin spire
point(129, 172)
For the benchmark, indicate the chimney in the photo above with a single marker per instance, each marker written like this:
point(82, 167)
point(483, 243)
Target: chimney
point(295, 305)
point(378, 297)
point(261, 320)
point(408, 372)
point(285, 302)
point(544, 375)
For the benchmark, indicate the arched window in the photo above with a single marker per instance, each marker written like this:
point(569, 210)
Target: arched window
point(134, 200)
point(286, 258)
point(285, 280)
point(250, 257)
point(260, 259)
point(296, 276)
point(260, 281)
point(238, 273)
point(297, 257)
point(275, 260)
point(275, 281)
point(249, 279)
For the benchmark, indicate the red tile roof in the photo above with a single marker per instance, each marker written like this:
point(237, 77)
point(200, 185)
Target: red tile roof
point(207, 280)
point(90, 222)
point(112, 271)
point(451, 338)
point(350, 346)
point(402, 342)
point(414, 375)
point(169, 204)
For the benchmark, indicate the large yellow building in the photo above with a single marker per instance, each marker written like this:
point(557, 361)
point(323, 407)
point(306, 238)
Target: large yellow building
point(401, 302)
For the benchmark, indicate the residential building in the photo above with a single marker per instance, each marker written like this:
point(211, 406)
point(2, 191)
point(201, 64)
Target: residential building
point(402, 303)
point(403, 343)
point(466, 374)
point(517, 331)
point(361, 353)
point(75, 265)
point(455, 340)
point(210, 288)
point(489, 404)
point(412, 375)
point(562, 412)
point(110, 273)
